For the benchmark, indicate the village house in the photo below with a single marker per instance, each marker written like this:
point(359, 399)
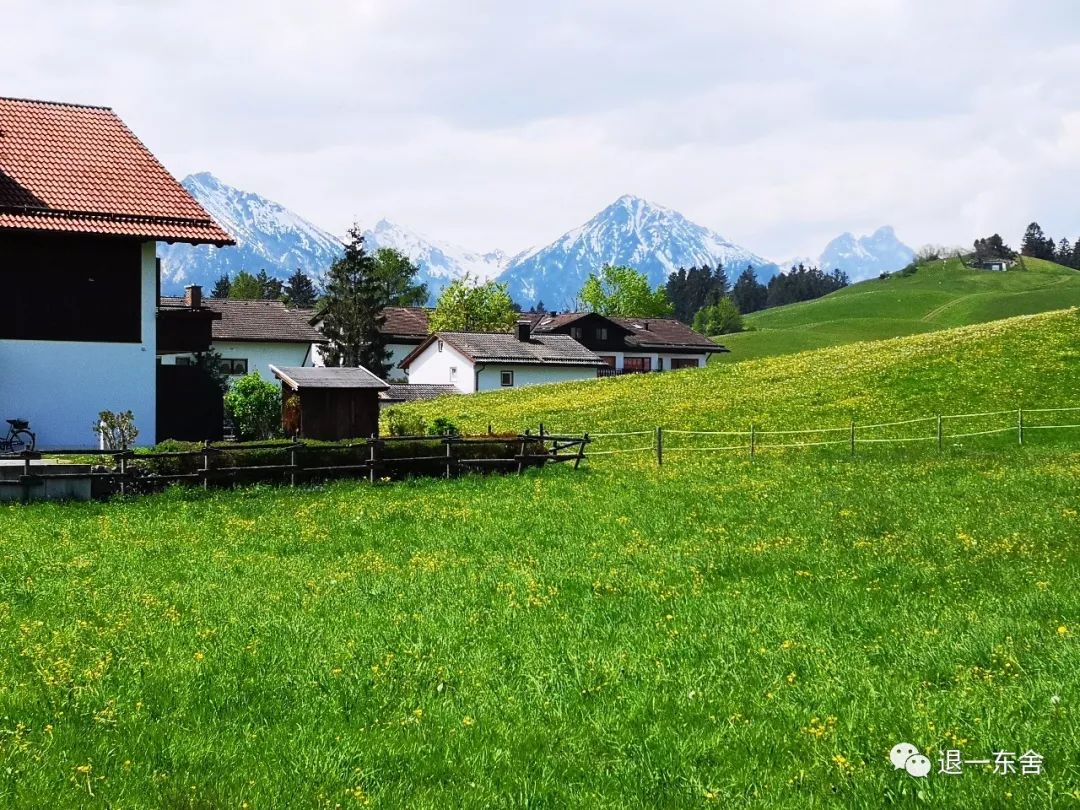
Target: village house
point(252, 335)
point(485, 361)
point(632, 345)
point(82, 205)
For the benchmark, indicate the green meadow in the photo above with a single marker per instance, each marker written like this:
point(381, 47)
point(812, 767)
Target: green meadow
point(941, 295)
point(718, 631)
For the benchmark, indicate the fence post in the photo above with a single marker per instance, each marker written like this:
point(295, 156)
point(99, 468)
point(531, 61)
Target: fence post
point(753, 440)
point(371, 458)
point(939, 433)
point(206, 465)
point(1020, 425)
point(292, 462)
point(581, 450)
point(659, 446)
point(26, 477)
point(449, 445)
point(123, 474)
point(852, 437)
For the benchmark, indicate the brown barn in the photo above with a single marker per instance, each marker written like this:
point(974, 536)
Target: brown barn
point(329, 403)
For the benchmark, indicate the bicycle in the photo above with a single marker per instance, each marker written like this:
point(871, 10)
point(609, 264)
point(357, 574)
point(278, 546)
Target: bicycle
point(19, 439)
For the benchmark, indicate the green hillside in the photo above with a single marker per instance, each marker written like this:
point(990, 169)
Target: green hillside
point(1027, 361)
point(940, 295)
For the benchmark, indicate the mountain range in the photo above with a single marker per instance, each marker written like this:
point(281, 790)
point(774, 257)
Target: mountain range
point(631, 231)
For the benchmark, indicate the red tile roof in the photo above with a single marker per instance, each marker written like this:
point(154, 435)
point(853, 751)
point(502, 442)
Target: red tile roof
point(79, 169)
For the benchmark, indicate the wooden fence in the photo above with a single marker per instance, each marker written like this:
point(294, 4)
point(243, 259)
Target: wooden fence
point(934, 430)
point(298, 461)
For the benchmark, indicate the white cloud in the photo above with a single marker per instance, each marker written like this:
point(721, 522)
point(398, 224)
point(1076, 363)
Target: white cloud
point(778, 123)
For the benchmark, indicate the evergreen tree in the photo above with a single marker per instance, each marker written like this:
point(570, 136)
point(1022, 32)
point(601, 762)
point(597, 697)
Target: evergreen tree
point(1064, 252)
point(749, 294)
point(221, 287)
point(690, 290)
point(270, 287)
point(1036, 244)
point(803, 283)
point(351, 310)
point(300, 291)
point(993, 247)
point(246, 287)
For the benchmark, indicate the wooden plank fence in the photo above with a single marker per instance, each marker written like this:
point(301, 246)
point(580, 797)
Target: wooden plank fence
point(300, 461)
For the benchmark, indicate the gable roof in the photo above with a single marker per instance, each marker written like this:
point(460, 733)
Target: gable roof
point(490, 347)
point(641, 333)
point(256, 321)
point(406, 322)
point(79, 169)
point(665, 333)
point(307, 377)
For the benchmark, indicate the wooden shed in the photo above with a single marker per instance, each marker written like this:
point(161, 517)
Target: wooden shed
point(329, 403)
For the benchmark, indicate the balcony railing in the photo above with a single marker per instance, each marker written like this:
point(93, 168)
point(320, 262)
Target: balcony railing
point(607, 371)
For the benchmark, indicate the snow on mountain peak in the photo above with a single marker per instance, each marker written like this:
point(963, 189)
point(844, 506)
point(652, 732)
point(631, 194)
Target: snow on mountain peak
point(866, 257)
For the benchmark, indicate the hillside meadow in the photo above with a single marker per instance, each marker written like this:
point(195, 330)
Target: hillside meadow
point(1024, 362)
point(715, 632)
point(941, 295)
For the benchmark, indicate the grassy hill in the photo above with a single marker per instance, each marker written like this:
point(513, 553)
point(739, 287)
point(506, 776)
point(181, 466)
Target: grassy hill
point(716, 632)
point(1027, 361)
point(941, 295)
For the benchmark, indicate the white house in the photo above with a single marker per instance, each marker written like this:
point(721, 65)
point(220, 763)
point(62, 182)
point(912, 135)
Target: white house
point(484, 361)
point(254, 335)
point(82, 204)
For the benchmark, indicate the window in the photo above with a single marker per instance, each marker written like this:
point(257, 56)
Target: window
point(453, 373)
point(440, 345)
point(637, 363)
point(609, 359)
point(233, 366)
point(683, 362)
point(507, 379)
point(601, 333)
point(659, 363)
point(575, 332)
point(185, 361)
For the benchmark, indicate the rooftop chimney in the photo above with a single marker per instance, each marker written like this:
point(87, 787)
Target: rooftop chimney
point(523, 330)
point(193, 296)
point(646, 326)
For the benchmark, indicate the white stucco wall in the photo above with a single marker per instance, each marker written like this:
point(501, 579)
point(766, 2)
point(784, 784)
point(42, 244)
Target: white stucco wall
point(433, 367)
point(61, 386)
point(260, 356)
point(491, 376)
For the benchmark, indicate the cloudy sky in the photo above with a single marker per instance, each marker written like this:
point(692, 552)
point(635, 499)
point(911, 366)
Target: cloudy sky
point(495, 123)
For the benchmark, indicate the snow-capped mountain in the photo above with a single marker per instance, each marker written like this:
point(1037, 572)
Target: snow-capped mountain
point(633, 232)
point(439, 262)
point(268, 237)
point(866, 257)
point(271, 237)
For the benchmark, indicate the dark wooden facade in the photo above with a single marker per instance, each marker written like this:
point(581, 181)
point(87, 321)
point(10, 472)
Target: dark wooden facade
point(596, 333)
point(190, 406)
point(71, 287)
point(330, 414)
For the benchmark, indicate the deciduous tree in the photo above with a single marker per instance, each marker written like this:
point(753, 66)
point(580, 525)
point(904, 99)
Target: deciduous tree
point(623, 291)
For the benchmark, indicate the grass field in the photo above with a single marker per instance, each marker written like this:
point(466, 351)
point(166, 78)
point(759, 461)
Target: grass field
point(715, 632)
point(1029, 361)
point(941, 295)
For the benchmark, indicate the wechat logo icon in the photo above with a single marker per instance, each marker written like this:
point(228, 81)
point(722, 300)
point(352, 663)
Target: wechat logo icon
point(907, 757)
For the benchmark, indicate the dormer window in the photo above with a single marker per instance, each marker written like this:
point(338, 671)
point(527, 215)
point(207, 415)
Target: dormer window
point(601, 333)
point(575, 332)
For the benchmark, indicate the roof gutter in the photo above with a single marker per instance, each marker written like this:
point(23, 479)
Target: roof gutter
point(476, 384)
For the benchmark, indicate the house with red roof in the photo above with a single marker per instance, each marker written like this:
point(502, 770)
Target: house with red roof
point(83, 204)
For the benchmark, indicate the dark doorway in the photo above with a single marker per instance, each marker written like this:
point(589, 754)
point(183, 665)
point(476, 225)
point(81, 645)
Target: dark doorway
point(190, 406)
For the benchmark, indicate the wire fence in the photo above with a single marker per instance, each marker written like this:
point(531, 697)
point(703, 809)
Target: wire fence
point(938, 430)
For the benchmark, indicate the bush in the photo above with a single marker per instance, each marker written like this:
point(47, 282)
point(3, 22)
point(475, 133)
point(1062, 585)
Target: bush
point(399, 423)
point(254, 405)
point(117, 430)
point(721, 318)
point(441, 426)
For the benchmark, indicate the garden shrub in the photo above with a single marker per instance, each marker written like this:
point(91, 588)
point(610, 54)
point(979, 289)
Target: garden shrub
point(254, 405)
